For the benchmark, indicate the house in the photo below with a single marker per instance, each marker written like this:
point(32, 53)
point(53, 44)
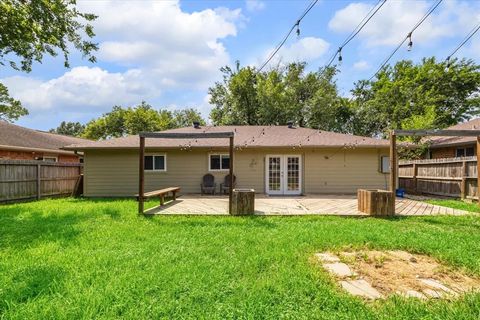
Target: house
point(19, 143)
point(275, 160)
point(450, 147)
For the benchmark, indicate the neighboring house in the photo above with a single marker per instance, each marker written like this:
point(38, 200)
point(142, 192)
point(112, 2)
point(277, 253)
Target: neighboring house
point(19, 143)
point(276, 160)
point(450, 147)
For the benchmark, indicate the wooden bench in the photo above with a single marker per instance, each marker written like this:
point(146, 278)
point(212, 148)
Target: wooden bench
point(161, 194)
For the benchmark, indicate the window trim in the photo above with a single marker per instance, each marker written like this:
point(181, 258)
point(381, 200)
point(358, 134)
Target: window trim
point(217, 154)
point(164, 155)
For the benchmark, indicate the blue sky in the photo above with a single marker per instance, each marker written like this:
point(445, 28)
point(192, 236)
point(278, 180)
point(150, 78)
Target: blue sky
point(169, 52)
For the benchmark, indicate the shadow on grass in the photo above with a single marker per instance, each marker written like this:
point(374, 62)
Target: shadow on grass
point(21, 230)
point(31, 282)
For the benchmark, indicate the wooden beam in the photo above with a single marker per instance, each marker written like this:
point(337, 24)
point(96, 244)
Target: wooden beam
point(141, 175)
point(230, 195)
point(444, 133)
point(393, 162)
point(186, 135)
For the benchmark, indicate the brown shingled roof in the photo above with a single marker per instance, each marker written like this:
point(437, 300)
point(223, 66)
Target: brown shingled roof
point(16, 136)
point(437, 142)
point(245, 136)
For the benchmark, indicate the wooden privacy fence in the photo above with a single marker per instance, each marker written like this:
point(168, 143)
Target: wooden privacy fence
point(30, 179)
point(455, 177)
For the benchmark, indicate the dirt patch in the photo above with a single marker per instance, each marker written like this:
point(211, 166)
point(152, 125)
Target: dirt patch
point(398, 272)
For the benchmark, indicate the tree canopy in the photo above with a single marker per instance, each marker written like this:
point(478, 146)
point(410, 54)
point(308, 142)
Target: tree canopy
point(427, 95)
point(132, 120)
point(74, 129)
point(277, 96)
point(31, 29)
point(406, 95)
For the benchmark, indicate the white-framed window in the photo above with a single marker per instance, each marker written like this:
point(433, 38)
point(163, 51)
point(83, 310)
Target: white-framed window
point(465, 152)
point(50, 159)
point(156, 162)
point(385, 164)
point(218, 162)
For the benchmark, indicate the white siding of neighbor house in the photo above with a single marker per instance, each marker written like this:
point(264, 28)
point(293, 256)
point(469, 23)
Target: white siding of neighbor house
point(115, 172)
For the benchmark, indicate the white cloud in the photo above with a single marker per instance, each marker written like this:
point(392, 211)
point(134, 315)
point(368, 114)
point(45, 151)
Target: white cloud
point(361, 65)
point(160, 46)
point(396, 18)
point(306, 49)
point(81, 89)
point(254, 5)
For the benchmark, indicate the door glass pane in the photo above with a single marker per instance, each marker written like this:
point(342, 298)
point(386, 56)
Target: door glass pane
point(293, 173)
point(274, 174)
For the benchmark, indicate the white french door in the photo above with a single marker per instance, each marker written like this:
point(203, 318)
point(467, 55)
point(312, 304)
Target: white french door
point(283, 174)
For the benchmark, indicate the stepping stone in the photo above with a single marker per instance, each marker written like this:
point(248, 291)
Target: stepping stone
point(432, 293)
point(437, 285)
point(360, 288)
point(339, 269)
point(414, 294)
point(327, 257)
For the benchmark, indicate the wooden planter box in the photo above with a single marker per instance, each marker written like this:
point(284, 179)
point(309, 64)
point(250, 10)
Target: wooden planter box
point(376, 202)
point(243, 202)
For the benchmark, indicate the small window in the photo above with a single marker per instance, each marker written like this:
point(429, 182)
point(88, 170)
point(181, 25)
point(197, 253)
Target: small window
point(50, 159)
point(460, 152)
point(469, 152)
point(219, 162)
point(384, 164)
point(155, 163)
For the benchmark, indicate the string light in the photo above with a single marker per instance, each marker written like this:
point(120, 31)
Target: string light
point(410, 42)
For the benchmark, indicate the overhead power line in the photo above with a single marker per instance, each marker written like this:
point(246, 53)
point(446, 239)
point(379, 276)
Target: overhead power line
point(356, 31)
point(296, 25)
point(465, 40)
point(408, 37)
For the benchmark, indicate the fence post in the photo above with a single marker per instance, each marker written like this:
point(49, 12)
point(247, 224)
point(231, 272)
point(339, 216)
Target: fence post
point(463, 185)
point(39, 185)
point(415, 173)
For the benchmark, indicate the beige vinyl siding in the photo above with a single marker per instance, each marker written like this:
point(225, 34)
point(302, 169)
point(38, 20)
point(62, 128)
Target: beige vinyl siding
point(115, 173)
point(345, 171)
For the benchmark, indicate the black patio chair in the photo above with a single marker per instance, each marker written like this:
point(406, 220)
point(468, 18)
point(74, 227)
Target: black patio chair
point(225, 186)
point(208, 184)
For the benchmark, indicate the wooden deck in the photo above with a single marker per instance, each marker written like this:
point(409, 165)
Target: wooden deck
point(305, 205)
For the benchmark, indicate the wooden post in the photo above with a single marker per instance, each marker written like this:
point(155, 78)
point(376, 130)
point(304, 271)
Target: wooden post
point(415, 173)
point(141, 175)
point(231, 177)
point(39, 183)
point(393, 162)
point(478, 170)
point(463, 183)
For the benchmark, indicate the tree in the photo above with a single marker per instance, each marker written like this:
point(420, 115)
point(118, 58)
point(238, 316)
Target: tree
point(74, 129)
point(412, 96)
point(121, 121)
point(185, 118)
point(30, 29)
point(282, 94)
point(10, 109)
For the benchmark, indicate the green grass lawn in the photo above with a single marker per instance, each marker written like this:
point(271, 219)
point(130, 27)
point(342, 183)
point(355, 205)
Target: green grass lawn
point(456, 204)
point(70, 259)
